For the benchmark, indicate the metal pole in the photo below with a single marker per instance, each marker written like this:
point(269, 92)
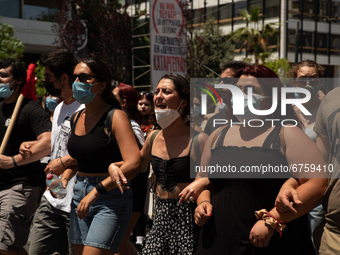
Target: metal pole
point(297, 41)
point(132, 54)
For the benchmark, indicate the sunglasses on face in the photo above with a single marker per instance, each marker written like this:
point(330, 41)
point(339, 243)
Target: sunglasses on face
point(142, 93)
point(303, 82)
point(82, 77)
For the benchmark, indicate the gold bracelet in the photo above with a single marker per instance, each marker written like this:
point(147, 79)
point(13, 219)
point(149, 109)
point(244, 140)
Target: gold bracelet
point(205, 201)
point(271, 221)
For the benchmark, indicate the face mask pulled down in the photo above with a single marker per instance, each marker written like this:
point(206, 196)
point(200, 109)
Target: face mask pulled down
point(167, 116)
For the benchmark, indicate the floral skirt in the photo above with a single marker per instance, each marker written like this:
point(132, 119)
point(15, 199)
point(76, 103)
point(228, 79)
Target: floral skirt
point(174, 230)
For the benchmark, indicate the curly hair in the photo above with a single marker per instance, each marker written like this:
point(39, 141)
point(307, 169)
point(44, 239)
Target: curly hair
point(310, 63)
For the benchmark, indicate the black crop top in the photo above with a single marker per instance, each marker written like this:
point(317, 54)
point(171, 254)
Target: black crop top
point(94, 151)
point(169, 172)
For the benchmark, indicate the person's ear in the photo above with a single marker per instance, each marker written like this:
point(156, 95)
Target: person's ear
point(123, 102)
point(64, 77)
point(184, 104)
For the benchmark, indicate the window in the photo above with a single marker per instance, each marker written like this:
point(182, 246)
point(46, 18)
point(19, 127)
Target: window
point(335, 45)
point(10, 8)
point(321, 43)
point(323, 8)
point(226, 13)
point(212, 12)
point(272, 9)
point(242, 5)
point(308, 9)
point(198, 16)
point(40, 10)
point(294, 9)
point(335, 10)
point(308, 42)
point(291, 40)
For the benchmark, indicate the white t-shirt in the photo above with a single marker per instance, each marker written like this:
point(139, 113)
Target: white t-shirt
point(61, 129)
point(137, 131)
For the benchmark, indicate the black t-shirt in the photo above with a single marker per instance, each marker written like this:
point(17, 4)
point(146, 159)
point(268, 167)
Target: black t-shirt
point(32, 121)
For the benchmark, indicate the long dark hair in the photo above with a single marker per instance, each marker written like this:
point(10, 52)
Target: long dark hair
point(103, 74)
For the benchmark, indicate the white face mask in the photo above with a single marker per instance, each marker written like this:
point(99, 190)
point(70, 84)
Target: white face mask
point(167, 116)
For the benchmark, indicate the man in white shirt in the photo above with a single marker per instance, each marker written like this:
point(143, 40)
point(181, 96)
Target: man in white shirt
point(50, 226)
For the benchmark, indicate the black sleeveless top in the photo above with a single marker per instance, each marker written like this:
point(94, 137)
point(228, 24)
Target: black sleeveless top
point(236, 200)
point(170, 172)
point(94, 151)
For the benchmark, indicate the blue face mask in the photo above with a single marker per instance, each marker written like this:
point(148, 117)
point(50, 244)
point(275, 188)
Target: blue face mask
point(82, 92)
point(196, 111)
point(51, 103)
point(5, 90)
point(248, 115)
point(222, 107)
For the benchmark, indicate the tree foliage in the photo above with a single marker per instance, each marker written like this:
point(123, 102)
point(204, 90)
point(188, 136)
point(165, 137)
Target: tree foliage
point(39, 74)
point(254, 38)
point(109, 32)
point(279, 66)
point(207, 50)
point(10, 46)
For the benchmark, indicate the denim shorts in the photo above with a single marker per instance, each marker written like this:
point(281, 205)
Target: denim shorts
point(108, 217)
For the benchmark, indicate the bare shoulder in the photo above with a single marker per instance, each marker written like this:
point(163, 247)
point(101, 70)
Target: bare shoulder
point(119, 114)
point(296, 137)
point(291, 132)
point(202, 138)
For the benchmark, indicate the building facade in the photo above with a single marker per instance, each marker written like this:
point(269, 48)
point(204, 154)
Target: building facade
point(309, 29)
point(33, 21)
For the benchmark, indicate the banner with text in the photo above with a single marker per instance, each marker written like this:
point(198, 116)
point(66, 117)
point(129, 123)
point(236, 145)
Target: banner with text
point(167, 39)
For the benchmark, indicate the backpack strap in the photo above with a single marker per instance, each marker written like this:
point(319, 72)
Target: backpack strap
point(153, 137)
point(108, 123)
point(74, 117)
point(197, 149)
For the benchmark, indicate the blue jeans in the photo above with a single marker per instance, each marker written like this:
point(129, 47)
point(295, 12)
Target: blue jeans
point(107, 219)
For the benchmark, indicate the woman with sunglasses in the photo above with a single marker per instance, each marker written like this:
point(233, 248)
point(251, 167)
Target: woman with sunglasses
point(171, 151)
point(100, 211)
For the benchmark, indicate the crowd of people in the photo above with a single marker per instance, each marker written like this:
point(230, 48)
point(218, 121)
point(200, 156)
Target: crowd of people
point(122, 154)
